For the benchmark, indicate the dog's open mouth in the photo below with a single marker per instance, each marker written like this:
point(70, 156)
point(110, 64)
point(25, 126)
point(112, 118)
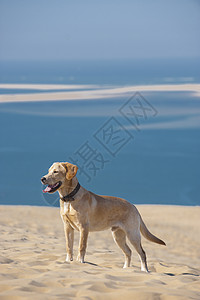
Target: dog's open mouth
point(52, 188)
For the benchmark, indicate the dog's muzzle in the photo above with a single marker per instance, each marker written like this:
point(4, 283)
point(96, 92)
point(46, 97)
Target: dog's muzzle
point(43, 179)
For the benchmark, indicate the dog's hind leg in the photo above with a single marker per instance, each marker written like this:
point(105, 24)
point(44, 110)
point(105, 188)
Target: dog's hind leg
point(135, 239)
point(120, 239)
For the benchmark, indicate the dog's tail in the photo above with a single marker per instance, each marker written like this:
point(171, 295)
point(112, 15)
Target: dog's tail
point(148, 235)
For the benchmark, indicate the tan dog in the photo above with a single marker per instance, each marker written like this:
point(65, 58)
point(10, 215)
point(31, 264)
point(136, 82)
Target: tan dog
point(86, 212)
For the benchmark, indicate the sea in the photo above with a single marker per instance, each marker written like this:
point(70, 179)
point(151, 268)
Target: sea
point(142, 146)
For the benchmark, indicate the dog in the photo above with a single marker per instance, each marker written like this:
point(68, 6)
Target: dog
point(87, 212)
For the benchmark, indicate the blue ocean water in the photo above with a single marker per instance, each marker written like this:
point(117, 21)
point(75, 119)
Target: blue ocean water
point(156, 163)
point(119, 72)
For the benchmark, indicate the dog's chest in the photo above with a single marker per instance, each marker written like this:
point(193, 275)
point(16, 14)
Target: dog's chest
point(68, 209)
point(69, 215)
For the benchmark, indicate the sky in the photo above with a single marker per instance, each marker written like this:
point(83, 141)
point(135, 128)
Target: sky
point(93, 29)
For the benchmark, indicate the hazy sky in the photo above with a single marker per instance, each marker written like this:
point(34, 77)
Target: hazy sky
point(102, 29)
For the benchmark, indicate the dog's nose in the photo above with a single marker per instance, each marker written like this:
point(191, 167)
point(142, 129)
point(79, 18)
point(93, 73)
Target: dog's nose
point(43, 179)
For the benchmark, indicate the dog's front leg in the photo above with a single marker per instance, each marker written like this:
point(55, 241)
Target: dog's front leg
point(69, 235)
point(83, 243)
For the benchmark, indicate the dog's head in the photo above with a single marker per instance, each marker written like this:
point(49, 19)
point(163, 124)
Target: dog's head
point(58, 174)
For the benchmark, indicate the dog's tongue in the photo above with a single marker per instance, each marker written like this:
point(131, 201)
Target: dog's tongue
point(48, 189)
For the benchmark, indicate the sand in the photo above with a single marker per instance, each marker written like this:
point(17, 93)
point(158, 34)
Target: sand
point(44, 87)
point(32, 261)
point(88, 92)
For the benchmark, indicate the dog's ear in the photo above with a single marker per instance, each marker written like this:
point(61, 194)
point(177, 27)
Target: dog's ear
point(71, 170)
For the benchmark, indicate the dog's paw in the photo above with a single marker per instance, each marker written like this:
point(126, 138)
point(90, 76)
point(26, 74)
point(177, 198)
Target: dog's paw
point(126, 266)
point(69, 258)
point(144, 270)
point(80, 259)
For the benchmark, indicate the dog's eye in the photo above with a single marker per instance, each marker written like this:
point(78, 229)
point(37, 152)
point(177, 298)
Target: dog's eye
point(55, 171)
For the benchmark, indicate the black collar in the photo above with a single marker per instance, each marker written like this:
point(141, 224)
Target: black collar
point(70, 196)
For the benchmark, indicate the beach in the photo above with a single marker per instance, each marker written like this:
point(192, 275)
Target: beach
point(33, 266)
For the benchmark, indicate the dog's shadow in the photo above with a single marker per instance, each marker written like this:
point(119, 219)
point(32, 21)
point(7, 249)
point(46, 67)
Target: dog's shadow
point(91, 264)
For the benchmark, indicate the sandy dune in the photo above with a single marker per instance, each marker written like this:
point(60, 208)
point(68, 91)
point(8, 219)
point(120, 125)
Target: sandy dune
point(33, 252)
point(44, 87)
point(98, 92)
